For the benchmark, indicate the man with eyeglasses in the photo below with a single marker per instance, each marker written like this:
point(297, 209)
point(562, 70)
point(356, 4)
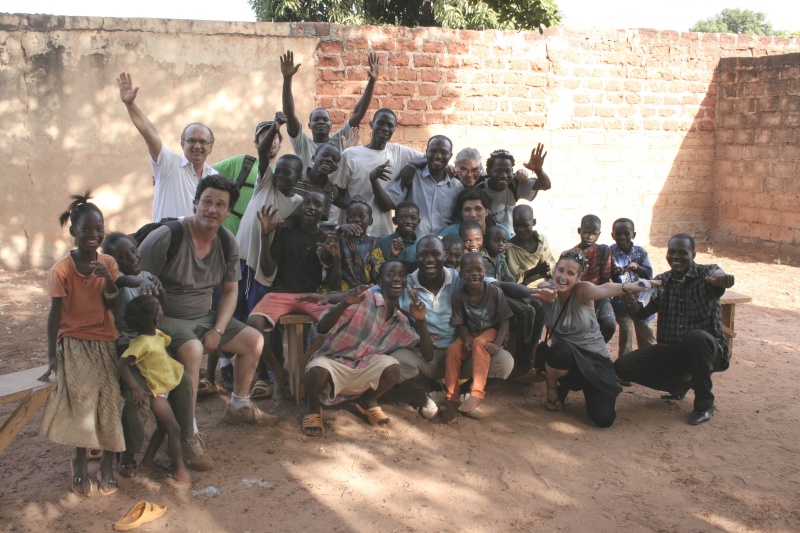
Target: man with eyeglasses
point(176, 175)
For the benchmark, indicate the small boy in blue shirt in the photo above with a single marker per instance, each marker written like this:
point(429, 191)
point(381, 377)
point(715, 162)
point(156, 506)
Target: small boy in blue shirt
point(402, 244)
point(629, 264)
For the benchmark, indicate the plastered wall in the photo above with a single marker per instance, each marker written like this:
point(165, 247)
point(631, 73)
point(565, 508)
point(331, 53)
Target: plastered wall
point(630, 118)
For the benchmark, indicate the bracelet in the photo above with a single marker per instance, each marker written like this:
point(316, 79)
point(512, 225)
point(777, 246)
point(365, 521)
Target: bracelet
point(623, 289)
point(110, 295)
point(221, 333)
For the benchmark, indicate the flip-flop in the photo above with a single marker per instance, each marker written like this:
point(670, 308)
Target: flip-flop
point(127, 470)
point(374, 416)
point(141, 513)
point(77, 481)
point(313, 421)
point(107, 487)
point(205, 387)
point(262, 389)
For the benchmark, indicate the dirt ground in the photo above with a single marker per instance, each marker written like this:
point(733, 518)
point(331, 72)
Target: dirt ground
point(522, 469)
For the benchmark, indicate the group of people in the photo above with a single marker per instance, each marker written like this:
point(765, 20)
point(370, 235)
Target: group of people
point(418, 274)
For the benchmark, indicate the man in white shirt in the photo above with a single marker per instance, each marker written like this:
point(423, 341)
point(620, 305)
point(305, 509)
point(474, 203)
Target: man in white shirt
point(176, 175)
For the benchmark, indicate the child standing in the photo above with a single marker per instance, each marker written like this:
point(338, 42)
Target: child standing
point(481, 314)
point(148, 351)
point(84, 410)
point(359, 263)
point(402, 244)
point(597, 270)
point(471, 233)
point(494, 254)
point(453, 250)
point(530, 257)
point(630, 264)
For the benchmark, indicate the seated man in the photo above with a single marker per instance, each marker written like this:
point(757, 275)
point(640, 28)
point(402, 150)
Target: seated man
point(690, 342)
point(207, 256)
point(355, 361)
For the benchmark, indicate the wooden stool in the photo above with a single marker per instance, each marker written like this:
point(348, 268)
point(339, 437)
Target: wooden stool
point(24, 387)
point(295, 358)
point(729, 301)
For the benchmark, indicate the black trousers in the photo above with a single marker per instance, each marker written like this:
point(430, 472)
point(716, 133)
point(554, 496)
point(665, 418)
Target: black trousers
point(666, 367)
point(601, 407)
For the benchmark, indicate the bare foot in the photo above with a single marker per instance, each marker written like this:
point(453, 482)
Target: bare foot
point(152, 470)
point(449, 411)
point(471, 404)
point(182, 474)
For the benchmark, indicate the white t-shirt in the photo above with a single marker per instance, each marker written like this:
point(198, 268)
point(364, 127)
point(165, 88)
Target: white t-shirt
point(354, 169)
point(176, 184)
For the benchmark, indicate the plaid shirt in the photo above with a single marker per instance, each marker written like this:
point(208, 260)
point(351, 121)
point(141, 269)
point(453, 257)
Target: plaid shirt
point(682, 307)
point(363, 331)
point(637, 255)
point(593, 270)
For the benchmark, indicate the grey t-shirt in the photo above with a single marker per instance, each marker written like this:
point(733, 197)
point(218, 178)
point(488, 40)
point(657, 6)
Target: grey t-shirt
point(503, 202)
point(189, 280)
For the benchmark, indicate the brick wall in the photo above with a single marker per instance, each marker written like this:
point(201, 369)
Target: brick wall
point(629, 117)
point(757, 166)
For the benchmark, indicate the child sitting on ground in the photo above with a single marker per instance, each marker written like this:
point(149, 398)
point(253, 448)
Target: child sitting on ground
point(359, 262)
point(294, 257)
point(494, 255)
point(402, 244)
point(148, 351)
point(630, 264)
point(530, 257)
point(597, 270)
point(471, 233)
point(453, 250)
point(481, 313)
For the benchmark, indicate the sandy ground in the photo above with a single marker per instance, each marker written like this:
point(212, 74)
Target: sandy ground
point(522, 469)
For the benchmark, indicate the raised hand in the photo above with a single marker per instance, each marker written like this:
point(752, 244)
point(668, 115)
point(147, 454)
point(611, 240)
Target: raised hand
point(288, 68)
point(268, 217)
point(720, 279)
point(280, 118)
point(381, 172)
point(544, 295)
point(417, 307)
point(331, 245)
point(536, 162)
point(356, 294)
point(397, 246)
point(352, 140)
point(127, 93)
point(350, 229)
point(374, 66)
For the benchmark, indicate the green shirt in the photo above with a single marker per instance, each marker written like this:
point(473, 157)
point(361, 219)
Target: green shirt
point(230, 168)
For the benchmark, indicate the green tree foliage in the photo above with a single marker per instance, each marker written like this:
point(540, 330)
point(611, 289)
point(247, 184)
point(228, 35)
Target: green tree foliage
point(458, 14)
point(739, 21)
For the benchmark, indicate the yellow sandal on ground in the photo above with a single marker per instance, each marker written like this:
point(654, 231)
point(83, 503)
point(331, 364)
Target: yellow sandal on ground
point(313, 421)
point(375, 416)
point(141, 513)
point(262, 389)
point(205, 387)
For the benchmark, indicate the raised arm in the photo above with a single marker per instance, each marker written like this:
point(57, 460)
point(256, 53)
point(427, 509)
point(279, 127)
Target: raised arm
point(536, 164)
point(289, 69)
point(363, 103)
point(589, 292)
point(268, 218)
point(127, 93)
point(265, 145)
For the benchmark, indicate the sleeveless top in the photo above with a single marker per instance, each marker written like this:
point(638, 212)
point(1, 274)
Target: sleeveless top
point(578, 326)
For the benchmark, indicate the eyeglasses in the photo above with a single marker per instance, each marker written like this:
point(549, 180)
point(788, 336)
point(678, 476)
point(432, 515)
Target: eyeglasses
point(201, 142)
point(574, 255)
point(205, 203)
point(473, 171)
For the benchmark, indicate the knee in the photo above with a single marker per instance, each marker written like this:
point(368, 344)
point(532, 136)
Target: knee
point(502, 364)
point(191, 353)
point(604, 420)
point(608, 326)
point(559, 356)
point(316, 378)
point(392, 374)
point(620, 366)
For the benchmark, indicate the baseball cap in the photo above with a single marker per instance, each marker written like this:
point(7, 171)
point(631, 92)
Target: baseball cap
point(261, 127)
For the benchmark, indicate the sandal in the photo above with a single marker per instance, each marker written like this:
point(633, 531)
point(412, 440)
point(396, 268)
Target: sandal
point(205, 387)
point(554, 405)
point(375, 416)
point(128, 470)
point(108, 486)
point(77, 481)
point(142, 513)
point(313, 421)
point(262, 389)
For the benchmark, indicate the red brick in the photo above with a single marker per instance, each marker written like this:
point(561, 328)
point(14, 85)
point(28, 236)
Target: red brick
point(328, 89)
point(705, 125)
point(626, 111)
point(520, 106)
point(486, 104)
point(406, 74)
point(631, 125)
point(536, 94)
point(465, 105)
point(570, 84)
point(670, 125)
point(652, 125)
point(503, 119)
point(604, 111)
point(494, 63)
point(440, 104)
point(428, 89)
point(652, 100)
point(639, 73)
point(633, 86)
point(582, 111)
point(448, 62)
point(346, 103)
point(592, 84)
point(399, 60)
point(436, 118)
point(580, 98)
point(433, 47)
point(541, 65)
point(633, 99)
point(614, 98)
point(325, 102)
point(514, 91)
point(612, 124)
point(434, 76)
point(329, 61)
point(409, 119)
point(331, 47)
point(457, 48)
point(383, 45)
point(401, 89)
point(416, 105)
point(613, 86)
point(406, 45)
point(519, 64)
point(535, 81)
point(424, 60)
point(449, 91)
point(338, 117)
point(534, 121)
point(394, 104)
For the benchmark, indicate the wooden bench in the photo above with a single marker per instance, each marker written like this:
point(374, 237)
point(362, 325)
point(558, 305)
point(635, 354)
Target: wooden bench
point(22, 387)
point(295, 355)
point(729, 301)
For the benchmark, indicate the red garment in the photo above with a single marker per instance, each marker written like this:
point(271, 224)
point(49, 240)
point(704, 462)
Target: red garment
point(593, 270)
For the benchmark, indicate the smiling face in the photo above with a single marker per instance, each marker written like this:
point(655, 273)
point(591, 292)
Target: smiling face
point(495, 241)
point(567, 274)
point(126, 253)
point(623, 235)
point(393, 279)
point(474, 210)
point(473, 270)
point(680, 256)
point(430, 258)
point(469, 172)
point(501, 174)
point(89, 231)
point(589, 232)
point(407, 221)
point(358, 213)
point(320, 125)
point(276, 143)
point(326, 159)
point(212, 207)
point(473, 240)
point(313, 207)
point(523, 223)
point(453, 254)
point(286, 174)
point(438, 153)
point(196, 144)
point(383, 125)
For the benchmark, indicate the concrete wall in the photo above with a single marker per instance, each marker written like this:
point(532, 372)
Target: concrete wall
point(628, 116)
point(757, 168)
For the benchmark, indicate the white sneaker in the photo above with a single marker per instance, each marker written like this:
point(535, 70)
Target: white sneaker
point(430, 409)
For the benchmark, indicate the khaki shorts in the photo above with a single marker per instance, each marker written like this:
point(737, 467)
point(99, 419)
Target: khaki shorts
point(182, 330)
point(348, 382)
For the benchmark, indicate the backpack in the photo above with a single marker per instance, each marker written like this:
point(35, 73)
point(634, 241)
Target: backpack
point(247, 166)
point(176, 236)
